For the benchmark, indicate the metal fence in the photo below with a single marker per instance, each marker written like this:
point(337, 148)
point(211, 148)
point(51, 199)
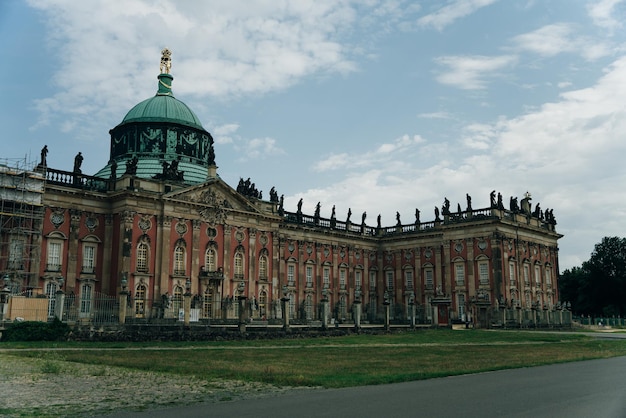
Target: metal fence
point(101, 309)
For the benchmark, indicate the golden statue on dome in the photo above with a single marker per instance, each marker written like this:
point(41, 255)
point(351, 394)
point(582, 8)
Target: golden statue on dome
point(166, 61)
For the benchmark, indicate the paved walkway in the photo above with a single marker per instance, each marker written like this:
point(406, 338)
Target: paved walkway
point(595, 388)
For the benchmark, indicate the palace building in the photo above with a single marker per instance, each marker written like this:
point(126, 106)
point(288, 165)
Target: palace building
point(158, 222)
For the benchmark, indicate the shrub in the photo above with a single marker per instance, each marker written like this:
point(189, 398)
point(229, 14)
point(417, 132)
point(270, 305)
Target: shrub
point(36, 331)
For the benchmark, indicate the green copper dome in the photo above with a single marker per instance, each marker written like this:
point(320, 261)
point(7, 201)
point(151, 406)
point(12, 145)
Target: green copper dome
point(163, 107)
point(161, 138)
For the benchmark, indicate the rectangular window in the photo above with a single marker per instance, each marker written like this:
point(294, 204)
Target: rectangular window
point(512, 273)
point(389, 275)
point(326, 277)
point(548, 277)
point(526, 275)
point(459, 274)
point(373, 280)
point(209, 260)
point(357, 279)
point(342, 278)
point(292, 305)
point(85, 298)
point(461, 306)
point(291, 271)
point(408, 279)
point(483, 272)
point(428, 273)
point(537, 276)
point(89, 259)
point(309, 276)
point(54, 256)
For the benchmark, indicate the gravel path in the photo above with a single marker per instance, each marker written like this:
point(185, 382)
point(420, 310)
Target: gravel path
point(47, 386)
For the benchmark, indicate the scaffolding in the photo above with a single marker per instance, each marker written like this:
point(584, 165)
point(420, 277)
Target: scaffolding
point(22, 187)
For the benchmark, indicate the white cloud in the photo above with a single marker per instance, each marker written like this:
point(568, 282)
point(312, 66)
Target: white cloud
point(258, 148)
point(558, 38)
point(603, 14)
point(435, 115)
point(220, 49)
point(567, 153)
point(384, 152)
point(472, 72)
point(446, 15)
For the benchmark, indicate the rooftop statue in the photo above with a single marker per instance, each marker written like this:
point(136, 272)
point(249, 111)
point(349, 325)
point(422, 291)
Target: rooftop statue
point(166, 61)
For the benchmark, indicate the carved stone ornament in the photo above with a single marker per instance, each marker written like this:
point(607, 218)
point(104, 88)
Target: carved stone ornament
point(239, 236)
point(211, 232)
point(91, 222)
point(482, 244)
point(144, 223)
point(214, 212)
point(57, 218)
point(428, 253)
point(181, 227)
point(263, 239)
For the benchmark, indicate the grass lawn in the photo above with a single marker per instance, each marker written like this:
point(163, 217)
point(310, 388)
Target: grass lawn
point(341, 361)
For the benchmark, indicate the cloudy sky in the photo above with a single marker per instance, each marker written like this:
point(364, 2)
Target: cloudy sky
point(377, 106)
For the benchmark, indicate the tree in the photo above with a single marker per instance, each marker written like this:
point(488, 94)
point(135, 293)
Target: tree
point(599, 286)
point(607, 271)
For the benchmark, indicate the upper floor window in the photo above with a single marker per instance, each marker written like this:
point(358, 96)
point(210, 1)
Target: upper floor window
point(342, 278)
point(89, 258)
point(291, 274)
point(538, 275)
point(429, 278)
point(459, 274)
point(326, 277)
point(372, 279)
point(389, 276)
point(483, 272)
point(55, 249)
point(358, 279)
point(309, 276)
point(179, 260)
point(263, 267)
point(512, 273)
point(526, 273)
point(239, 265)
point(142, 257)
point(548, 276)
point(210, 259)
point(408, 279)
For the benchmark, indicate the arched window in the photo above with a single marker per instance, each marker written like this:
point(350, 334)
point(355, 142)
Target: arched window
point(239, 265)
point(51, 290)
point(55, 251)
point(207, 303)
point(210, 259)
point(263, 267)
point(177, 299)
point(140, 301)
point(179, 260)
point(408, 278)
point(263, 304)
point(142, 257)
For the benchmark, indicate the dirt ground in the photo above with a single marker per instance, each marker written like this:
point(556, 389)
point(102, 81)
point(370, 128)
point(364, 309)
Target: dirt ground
point(49, 387)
